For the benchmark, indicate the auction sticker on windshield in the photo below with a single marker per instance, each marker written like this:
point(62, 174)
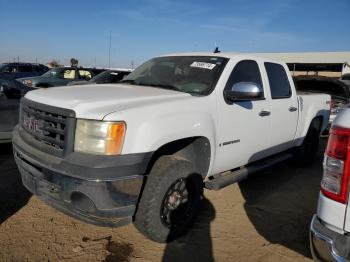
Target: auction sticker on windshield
point(204, 65)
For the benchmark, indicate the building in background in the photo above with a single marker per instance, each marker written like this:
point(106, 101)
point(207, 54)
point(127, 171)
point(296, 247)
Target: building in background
point(332, 64)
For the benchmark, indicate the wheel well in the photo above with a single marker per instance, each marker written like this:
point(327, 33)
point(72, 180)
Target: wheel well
point(317, 123)
point(194, 149)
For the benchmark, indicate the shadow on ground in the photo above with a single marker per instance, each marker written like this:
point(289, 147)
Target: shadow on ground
point(280, 203)
point(13, 195)
point(197, 244)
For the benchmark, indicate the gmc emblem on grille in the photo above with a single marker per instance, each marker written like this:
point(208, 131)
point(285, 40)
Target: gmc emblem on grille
point(33, 124)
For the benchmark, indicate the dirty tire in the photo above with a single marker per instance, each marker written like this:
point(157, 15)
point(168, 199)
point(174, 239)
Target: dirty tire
point(169, 174)
point(306, 153)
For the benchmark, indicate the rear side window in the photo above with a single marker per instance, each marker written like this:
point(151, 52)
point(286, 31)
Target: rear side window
point(10, 69)
point(37, 68)
point(245, 71)
point(25, 68)
point(85, 75)
point(278, 80)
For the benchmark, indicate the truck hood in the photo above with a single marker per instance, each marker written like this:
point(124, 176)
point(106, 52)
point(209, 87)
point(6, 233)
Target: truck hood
point(97, 101)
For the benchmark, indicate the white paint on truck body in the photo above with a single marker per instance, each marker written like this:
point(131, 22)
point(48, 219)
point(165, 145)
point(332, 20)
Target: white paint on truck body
point(155, 116)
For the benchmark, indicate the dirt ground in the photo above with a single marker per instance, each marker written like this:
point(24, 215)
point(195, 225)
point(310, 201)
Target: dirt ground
point(264, 218)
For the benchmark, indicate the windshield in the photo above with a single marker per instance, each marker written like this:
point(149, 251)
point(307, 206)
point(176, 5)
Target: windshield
point(190, 74)
point(54, 72)
point(101, 77)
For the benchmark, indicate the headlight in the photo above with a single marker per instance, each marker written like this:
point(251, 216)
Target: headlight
point(99, 137)
point(28, 82)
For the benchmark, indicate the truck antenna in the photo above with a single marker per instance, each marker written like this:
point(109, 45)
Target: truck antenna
point(216, 50)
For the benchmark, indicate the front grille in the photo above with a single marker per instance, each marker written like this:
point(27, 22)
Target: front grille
point(45, 124)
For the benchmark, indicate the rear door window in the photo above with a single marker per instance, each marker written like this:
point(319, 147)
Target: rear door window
point(10, 69)
point(278, 80)
point(85, 74)
point(25, 68)
point(37, 68)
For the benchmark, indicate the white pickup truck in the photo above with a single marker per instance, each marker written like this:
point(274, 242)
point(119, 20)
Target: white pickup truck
point(141, 151)
point(330, 228)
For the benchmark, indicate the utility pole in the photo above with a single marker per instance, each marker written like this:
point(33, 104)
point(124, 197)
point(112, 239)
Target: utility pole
point(132, 64)
point(109, 50)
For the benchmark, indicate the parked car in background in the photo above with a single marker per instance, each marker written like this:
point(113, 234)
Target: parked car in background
point(108, 76)
point(338, 89)
point(17, 70)
point(330, 227)
point(61, 76)
point(11, 91)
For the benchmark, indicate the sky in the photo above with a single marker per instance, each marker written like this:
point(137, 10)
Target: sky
point(41, 30)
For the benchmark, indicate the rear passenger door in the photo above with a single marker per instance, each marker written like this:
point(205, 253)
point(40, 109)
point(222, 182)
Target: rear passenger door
point(283, 106)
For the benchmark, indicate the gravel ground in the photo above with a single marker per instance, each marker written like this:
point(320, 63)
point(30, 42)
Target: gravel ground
point(264, 218)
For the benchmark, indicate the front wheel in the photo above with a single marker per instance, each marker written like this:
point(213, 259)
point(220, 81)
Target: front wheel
point(170, 199)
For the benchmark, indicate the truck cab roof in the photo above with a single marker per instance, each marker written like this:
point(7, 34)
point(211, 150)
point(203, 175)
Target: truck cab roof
point(229, 55)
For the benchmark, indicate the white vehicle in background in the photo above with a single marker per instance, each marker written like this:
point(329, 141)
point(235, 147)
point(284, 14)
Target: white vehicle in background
point(330, 227)
point(142, 150)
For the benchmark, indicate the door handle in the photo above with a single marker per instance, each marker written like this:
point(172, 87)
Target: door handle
point(292, 109)
point(264, 113)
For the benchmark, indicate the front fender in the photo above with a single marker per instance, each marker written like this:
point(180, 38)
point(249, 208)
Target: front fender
point(150, 126)
point(150, 135)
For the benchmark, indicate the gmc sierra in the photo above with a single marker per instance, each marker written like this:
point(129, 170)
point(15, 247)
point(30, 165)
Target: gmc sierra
point(143, 150)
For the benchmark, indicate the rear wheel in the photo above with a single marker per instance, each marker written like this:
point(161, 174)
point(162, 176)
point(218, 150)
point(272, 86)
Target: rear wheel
point(170, 200)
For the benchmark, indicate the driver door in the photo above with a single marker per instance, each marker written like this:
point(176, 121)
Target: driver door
point(244, 133)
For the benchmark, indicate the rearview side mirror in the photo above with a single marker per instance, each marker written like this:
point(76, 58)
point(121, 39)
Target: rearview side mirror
point(244, 91)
